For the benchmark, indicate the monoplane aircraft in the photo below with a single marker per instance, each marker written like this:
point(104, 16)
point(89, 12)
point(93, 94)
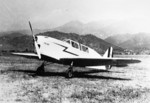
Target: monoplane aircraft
point(72, 53)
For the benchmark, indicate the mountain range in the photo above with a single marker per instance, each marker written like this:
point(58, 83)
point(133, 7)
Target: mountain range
point(22, 42)
point(112, 32)
point(98, 29)
point(136, 42)
point(103, 28)
point(16, 42)
point(106, 34)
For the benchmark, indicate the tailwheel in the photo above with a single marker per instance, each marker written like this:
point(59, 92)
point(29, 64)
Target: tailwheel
point(40, 70)
point(69, 72)
point(108, 67)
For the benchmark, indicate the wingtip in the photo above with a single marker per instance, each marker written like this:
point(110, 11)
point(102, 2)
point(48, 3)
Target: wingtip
point(136, 61)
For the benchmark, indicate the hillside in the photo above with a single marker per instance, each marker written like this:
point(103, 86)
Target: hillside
point(138, 42)
point(118, 39)
point(16, 41)
point(102, 28)
point(22, 42)
point(96, 28)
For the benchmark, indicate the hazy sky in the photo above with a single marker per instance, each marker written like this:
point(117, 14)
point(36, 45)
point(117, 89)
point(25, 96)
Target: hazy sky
point(14, 14)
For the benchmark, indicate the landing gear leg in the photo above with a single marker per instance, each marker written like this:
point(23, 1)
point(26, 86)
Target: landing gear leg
point(69, 72)
point(40, 70)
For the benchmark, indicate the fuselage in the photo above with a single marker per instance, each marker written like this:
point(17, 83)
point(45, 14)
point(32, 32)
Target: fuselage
point(58, 49)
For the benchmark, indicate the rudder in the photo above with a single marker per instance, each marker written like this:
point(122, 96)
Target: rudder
point(109, 53)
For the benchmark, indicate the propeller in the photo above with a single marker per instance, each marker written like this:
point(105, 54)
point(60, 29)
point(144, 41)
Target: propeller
point(35, 42)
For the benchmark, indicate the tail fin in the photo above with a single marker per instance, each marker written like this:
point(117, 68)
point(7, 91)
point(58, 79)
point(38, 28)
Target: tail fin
point(108, 53)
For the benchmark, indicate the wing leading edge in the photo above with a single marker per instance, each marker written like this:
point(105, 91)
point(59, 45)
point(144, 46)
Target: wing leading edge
point(28, 55)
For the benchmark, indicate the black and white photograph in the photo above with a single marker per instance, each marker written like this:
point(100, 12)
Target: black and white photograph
point(74, 51)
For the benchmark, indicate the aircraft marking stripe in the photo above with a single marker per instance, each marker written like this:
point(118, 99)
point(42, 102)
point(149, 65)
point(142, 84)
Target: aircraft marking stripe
point(65, 48)
point(108, 52)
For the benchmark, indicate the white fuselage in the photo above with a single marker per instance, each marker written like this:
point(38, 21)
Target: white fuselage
point(64, 49)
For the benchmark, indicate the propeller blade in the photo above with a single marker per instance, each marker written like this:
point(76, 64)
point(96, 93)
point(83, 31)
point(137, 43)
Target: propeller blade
point(30, 27)
point(35, 42)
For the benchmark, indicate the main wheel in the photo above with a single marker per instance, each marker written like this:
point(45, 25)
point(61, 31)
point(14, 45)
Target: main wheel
point(40, 70)
point(69, 73)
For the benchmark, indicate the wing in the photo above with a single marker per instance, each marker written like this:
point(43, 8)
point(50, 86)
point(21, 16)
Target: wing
point(28, 55)
point(98, 61)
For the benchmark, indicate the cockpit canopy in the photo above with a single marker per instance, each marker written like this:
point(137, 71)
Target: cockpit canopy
point(67, 41)
point(77, 45)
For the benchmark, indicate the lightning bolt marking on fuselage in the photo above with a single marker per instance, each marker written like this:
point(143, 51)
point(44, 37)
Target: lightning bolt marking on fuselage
point(65, 49)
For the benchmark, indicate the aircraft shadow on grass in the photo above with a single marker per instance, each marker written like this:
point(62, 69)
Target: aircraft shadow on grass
point(82, 74)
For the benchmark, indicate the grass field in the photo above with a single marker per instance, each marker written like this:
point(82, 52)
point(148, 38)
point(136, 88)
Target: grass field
point(20, 84)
